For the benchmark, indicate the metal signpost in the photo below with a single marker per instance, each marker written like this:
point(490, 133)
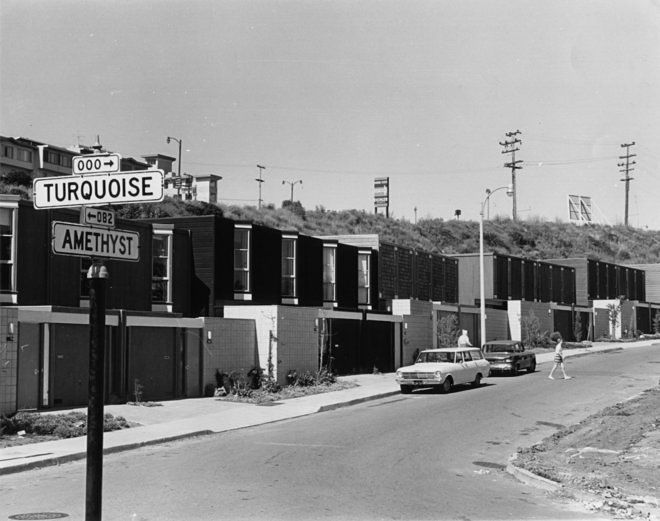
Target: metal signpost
point(97, 181)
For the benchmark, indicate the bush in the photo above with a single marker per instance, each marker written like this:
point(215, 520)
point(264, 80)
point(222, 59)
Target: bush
point(68, 425)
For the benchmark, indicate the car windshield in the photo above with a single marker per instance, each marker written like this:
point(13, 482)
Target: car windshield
point(498, 348)
point(441, 356)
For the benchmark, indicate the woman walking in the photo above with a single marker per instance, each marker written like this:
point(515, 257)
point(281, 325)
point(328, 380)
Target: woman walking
point(559, 356)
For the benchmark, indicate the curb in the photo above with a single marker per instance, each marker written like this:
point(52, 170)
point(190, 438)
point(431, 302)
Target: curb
point(333, 406)
point(529, 478)
point(75, 456)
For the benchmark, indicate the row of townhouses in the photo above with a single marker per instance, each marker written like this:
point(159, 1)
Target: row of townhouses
point(210, 294)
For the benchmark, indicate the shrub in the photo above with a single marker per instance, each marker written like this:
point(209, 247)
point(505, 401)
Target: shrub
point(448, 330)
point(68, 425)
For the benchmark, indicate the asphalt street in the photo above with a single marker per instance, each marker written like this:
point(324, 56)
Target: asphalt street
point(419, 456)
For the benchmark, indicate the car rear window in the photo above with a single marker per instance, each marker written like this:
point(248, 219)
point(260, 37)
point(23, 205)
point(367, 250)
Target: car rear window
point(497, 348)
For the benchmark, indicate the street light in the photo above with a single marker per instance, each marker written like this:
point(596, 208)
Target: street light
point(178, 189)
point(482, 299)
point(292, 183)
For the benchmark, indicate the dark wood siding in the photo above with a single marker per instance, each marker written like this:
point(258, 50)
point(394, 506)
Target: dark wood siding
point(309, 265)
point(266, 265)
point(450, 287)
point(516, 276)
point(347, 277)
point(422, 271)
point(529, 281)
point(182, 272)
point(32, 278)
point(438, 265)
point(387, 271)
point(500, 277)
point(404, 273)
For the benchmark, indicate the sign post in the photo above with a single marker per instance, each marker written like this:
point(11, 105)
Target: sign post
point(96, 181)
point(97, 275)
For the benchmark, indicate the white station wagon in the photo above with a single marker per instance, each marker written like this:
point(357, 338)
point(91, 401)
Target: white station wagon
point(444, 368)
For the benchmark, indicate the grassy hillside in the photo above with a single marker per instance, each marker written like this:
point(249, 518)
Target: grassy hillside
point(531, 238)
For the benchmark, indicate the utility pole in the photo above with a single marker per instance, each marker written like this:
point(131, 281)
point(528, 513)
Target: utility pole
point(511, 144)
point(627, 167)
point(261, 169)
point(292, 183)
point(415, 214)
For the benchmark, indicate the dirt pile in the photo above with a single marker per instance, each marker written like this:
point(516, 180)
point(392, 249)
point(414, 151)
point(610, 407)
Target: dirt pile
point(611, 459)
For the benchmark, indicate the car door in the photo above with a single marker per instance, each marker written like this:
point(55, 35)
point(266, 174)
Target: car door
point(460, 369)
point(470, 366)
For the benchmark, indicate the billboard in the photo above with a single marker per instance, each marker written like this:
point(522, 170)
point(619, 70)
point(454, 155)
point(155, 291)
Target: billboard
point(579, 209)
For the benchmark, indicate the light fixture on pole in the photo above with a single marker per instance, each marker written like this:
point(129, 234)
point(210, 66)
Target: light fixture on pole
point(292, 183)
point(178, 181)
point(482, 298)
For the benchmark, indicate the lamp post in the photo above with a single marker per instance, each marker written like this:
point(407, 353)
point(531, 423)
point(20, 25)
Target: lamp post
point(292, 183)
point(178, 188)
point(482, 299)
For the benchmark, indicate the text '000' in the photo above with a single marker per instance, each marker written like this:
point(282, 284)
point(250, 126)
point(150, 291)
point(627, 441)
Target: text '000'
point(98, 189)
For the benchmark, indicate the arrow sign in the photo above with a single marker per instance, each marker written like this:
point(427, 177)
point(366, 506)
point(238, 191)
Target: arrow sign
point(97, 163)
point(140, 186)
point(87, 241)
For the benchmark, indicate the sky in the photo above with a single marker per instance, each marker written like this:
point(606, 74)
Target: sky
point(338, 93)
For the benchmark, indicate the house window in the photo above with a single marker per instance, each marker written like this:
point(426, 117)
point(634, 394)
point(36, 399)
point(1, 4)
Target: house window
point(8, 151)
point(65, 161)
point(7, 250)
point(161, 268)
point(24, 155)
point(52, 157)
point(364, 270)
point(288, 267)
point(242, 259)
point(330, 273)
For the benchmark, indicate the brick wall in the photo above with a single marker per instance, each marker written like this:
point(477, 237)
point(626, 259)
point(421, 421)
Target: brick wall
point(297, 341)
point(233, 347)
point(8, 359)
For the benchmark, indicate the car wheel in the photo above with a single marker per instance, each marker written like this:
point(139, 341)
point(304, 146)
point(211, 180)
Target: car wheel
point(532, 367)
point(477, 380)
point(447, 385)
point(406, 389)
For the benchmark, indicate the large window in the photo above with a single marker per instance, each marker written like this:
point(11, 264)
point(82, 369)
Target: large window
point(289, 267)
point(242, 259)
point(161, 268)
point(52, 157)
point(364, 270)
point(7, 249)
point(8, 151)
point(24, 155)
point(330, 273)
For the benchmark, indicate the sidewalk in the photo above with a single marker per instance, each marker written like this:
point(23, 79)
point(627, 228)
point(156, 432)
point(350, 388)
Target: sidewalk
point(179, 419)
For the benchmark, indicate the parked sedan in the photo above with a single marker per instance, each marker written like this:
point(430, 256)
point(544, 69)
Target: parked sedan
point(444, 368)
point(509, 356)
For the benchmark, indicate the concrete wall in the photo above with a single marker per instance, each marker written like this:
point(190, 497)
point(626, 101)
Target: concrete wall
point(265, 321)
point(8, 359)
point(418, 331)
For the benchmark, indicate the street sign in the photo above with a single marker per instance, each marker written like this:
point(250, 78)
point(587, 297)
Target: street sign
point(92, 164)
point(87, 241)
point(97, 217)
point(140, 186)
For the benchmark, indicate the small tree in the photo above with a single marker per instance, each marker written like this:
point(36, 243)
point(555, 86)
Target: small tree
point(577, 326)
point(614, 310)
point(448, 330)
point(532, 328)
point(656, 323)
